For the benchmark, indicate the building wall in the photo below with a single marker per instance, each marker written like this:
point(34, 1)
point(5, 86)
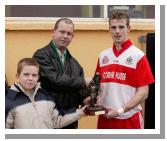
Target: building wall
point(23, 38)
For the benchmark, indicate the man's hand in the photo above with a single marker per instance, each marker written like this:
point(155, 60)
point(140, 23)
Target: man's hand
point(87, 101)
point(88, 80)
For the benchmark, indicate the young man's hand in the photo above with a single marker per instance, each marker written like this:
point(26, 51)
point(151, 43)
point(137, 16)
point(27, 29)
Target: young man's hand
point(111, 113)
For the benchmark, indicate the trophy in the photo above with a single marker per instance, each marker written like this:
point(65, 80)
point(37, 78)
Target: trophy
point(93, 88)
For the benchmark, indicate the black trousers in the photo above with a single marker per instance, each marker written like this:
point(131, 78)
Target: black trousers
point(73, 125)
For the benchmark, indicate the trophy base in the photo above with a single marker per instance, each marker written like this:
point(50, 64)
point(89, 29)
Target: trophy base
point(94, 110)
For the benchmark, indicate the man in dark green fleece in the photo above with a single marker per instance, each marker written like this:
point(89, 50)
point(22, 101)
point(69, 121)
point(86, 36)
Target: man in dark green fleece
point(60, 73)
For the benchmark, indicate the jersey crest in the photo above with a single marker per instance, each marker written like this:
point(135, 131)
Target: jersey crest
point(105, 60)
point(129, 60)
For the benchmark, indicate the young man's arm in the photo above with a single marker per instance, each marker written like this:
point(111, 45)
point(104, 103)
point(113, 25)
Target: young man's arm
point(140, 96)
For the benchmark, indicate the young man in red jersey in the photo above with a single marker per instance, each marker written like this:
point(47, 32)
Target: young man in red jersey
point(125, 76)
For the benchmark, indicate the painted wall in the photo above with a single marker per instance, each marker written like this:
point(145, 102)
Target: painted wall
point(22, 39)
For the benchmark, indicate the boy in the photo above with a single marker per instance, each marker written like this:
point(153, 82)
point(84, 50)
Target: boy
point(29, 106)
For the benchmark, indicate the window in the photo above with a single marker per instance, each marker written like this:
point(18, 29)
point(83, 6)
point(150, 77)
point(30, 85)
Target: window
point(135, 11)
point(78, 11)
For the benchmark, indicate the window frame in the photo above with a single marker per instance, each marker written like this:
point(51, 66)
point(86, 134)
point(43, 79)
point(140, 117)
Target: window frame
point(45, 23)
point(73, 19)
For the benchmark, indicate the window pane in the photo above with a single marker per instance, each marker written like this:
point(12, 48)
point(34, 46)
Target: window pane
point(80, 11)
point(135, 11)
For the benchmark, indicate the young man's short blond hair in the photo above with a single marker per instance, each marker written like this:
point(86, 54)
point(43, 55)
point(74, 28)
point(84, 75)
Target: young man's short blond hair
point(119, 14)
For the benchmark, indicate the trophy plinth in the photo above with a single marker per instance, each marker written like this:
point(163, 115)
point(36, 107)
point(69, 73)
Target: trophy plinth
point(93, 108)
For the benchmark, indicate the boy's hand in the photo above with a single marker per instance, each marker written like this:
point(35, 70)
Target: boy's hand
point(81, 111)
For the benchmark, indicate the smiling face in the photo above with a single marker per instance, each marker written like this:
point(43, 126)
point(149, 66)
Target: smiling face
point(63, 34)
point(28, 77)
point(119, 30)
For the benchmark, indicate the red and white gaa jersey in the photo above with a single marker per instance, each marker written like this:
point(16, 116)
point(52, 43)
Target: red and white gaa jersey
point(121, 73)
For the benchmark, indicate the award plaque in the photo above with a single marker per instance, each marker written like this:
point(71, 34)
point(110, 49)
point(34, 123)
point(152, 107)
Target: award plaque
point(93, 108)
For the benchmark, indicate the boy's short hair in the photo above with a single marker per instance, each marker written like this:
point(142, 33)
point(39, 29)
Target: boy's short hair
point(26, 62)
point(66, 20)
point(119, 14)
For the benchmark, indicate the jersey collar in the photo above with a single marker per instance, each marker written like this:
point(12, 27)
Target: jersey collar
point(125, 45)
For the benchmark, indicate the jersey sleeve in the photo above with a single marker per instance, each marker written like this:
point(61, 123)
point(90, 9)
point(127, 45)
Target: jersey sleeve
point(144, 74)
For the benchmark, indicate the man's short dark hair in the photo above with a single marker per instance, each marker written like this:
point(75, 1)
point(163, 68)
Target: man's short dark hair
point(119, 14)
point(66, 20)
